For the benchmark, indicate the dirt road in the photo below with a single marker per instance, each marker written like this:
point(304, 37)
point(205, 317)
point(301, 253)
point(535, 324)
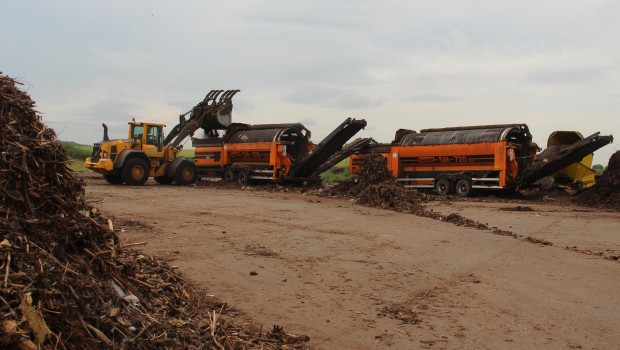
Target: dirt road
point(353, 277)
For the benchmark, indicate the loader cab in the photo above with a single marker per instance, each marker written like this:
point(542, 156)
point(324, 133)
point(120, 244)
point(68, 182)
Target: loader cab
point(149, 137)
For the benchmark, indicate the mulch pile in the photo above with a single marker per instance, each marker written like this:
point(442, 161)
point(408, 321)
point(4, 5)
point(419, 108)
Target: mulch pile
point(375, 187)
point(65, 281)
point(606, 192)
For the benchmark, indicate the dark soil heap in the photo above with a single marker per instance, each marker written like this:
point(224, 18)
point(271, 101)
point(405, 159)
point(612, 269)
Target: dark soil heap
point(375, 187)
point(606, 192)
point(65, 283)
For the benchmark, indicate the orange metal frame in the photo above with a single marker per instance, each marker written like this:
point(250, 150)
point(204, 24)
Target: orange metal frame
point(264, 154)
point(453, 158)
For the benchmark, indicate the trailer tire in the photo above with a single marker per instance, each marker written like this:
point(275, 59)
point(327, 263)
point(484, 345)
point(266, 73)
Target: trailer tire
point(135, 172)
point(113, 179)
point(229, 176)
point(186, 173)
point(463, 188)
point(244, 178)
point(164, 180)
point(443, 187)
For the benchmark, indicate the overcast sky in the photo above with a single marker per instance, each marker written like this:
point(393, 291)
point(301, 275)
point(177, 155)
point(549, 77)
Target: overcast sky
point(554, 65)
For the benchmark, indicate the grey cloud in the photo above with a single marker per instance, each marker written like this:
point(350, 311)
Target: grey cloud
point(317, 95)
point(112, 110)
point(567, 76)
point(432, 98)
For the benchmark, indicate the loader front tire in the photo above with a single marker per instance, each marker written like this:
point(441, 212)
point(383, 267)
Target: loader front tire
point(113, 179)
point(135, 172)
point(186, 173)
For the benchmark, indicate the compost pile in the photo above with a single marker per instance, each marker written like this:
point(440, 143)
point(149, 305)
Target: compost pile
point(375, 187)
point(65, 281)
point(606, 192)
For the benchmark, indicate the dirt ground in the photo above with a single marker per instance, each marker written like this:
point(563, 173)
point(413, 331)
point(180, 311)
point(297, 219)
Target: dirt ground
point(353, 277)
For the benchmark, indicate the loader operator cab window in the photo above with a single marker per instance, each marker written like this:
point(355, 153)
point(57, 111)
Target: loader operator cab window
point(154, 136)
point(137, 132)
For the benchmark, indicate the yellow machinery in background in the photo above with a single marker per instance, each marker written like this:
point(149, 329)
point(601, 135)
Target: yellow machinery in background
point(146, 153)
point(578, 175)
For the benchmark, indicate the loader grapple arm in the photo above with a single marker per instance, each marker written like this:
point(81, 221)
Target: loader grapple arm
point(211, 114)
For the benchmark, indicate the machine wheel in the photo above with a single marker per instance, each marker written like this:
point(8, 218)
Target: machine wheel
point(463, 188)
point(229, 176)
point(135, 172)
point(114, 179)
point(186, 173)
point(442, 187)
point(164, 180)
point(243, 178)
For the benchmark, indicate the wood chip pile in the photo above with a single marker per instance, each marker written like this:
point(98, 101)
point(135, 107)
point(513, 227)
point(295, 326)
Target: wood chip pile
point(606, 192)
point(66, 283)
point(375, 187)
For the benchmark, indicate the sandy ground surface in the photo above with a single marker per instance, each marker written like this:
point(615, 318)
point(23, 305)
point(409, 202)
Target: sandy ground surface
point(353, 277)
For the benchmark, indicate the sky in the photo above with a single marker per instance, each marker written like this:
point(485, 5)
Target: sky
point(553, 65)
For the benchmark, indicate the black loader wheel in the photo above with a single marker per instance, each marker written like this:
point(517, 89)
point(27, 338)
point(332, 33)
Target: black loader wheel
point(442, 187)
point(186, 173)
point(164, 180)
point(229, 176)
point(463, 188)
point(114, 179)
point(135, 172)
point(243, 178)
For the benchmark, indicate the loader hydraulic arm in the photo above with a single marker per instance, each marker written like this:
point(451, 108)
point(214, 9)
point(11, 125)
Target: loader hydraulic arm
point(210, 114)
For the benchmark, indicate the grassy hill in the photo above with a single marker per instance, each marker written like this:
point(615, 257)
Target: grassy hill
point(77, 153)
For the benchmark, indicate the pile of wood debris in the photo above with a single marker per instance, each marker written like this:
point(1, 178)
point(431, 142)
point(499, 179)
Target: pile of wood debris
point(65, 281)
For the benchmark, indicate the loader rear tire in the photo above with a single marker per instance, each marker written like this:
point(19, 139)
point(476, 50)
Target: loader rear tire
point(443, 187)
point(186, 173)
point(135, 172)
point(114, 179)
point(463, 188)
point(164, 180)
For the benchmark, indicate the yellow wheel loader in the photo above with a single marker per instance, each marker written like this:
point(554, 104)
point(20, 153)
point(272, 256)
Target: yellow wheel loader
point(146, 153)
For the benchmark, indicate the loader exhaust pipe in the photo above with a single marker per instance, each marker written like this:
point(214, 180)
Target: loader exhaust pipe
point(105, 132)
